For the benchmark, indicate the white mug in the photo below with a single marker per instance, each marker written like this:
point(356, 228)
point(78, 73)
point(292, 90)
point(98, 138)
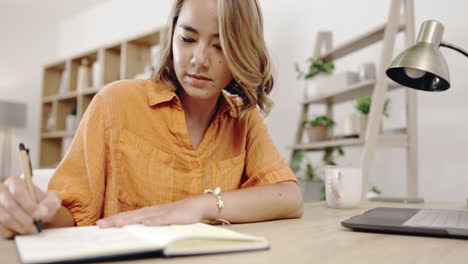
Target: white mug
point(343, 186)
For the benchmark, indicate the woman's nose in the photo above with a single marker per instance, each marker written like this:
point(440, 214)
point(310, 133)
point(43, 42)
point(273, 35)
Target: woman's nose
point(200, 56)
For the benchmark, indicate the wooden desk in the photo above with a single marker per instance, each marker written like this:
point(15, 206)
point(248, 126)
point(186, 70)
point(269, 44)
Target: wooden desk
point(319, 238)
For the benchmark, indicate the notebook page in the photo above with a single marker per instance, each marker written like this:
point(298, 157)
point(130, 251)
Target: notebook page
point(163, 235)
point(203, 230)
point(79, 242)
point(159, 235)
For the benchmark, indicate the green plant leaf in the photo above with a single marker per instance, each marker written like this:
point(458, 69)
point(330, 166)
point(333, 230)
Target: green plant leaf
point(310, 171)
point(321, 121)
point(297, 160)
point(323, 194)
point(363, 105)
point(316, 66)
point(376, 190)
point(340, 151)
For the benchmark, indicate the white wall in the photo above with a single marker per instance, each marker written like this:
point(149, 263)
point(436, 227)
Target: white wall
point(290, 28)
point(28, 40)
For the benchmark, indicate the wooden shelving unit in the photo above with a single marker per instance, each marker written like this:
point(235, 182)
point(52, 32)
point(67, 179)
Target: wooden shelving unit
point(403, 138)
point(123, 60)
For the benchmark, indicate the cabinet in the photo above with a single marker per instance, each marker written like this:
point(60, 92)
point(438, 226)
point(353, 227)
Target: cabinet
point(70, 84)
point(400, 19)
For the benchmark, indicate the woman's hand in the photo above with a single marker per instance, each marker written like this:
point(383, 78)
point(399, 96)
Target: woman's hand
point(188, 211)
point(18, 209)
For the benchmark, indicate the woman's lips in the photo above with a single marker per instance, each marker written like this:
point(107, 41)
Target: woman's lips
point(198, 80)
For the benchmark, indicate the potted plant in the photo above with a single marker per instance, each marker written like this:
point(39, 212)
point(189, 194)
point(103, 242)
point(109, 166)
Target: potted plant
point(315, 67)
point(363, 105)
point(312, 185)
point(317, 129)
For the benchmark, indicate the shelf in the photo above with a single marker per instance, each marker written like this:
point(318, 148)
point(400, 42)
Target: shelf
point(51, 149)
point(57, 134)
point(49, 99)
point(52, 78)
point(83, 75)
point(90, 91)
point(139, 55)
point(112, 58)
point(66, 96)
point(47, 109)
point(360, 42)
point(354, 91)
point(83, 60)
point(389, 140)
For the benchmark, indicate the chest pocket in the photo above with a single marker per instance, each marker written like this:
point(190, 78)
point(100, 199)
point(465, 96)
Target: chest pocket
point(146, 173)
point(227, 174)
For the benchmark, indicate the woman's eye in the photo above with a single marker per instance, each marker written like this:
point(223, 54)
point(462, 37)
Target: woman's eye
point(218, 47)
point(188, 40)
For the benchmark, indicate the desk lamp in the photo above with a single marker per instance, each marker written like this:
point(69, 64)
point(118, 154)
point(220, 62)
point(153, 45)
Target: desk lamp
point(422, 66)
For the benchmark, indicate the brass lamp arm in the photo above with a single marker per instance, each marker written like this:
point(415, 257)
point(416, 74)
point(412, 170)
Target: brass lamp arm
point(451, 46)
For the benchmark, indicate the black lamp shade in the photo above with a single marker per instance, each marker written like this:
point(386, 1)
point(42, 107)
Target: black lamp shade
point(428, 82)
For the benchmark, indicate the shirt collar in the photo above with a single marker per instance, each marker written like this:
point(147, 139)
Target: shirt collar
point(161, 93)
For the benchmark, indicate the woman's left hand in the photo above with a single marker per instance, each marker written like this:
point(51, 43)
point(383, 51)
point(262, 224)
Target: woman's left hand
point(187, 211)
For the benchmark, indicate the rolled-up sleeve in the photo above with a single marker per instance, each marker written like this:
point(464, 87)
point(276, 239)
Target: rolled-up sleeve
point(80, 177)
point(263, 164)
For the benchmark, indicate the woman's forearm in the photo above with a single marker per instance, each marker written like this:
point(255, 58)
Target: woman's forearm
point(276, 201)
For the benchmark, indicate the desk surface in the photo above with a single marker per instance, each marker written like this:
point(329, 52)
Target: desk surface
point(319, 238)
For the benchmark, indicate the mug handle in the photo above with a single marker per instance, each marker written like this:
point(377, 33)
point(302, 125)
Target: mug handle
point(335, 184)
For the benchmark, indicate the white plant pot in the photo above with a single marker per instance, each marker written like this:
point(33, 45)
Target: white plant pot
point(352, 125)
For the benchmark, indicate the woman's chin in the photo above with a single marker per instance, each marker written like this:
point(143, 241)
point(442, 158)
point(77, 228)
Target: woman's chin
point(200, 93)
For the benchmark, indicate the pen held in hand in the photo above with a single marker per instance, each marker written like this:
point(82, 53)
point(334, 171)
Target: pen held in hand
point(27, 170)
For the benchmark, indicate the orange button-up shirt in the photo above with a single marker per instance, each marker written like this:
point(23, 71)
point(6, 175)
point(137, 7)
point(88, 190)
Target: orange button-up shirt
point(132, 149)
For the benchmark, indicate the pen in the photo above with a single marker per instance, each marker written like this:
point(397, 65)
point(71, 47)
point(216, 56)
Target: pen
point(28, 177)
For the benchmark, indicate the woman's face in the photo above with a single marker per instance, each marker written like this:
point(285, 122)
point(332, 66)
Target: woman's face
point(199, 62)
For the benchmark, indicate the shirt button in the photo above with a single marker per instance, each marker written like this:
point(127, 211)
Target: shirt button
point(196, 165)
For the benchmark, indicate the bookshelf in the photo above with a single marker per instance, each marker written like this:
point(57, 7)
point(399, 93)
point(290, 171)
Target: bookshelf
point(70, 84)
point(377, 89)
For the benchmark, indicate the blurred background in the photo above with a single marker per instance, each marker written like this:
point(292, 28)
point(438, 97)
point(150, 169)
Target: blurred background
point(36, 33)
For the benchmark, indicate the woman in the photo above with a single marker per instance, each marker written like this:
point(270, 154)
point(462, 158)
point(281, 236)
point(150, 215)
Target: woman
point(158, 151)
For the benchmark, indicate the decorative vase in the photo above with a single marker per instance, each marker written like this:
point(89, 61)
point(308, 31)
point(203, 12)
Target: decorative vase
point(97, 74)
point(71, 123)
point(64, 81)
point(84, 75)
point(352, 125)
point(50, 124)
point(317, 133)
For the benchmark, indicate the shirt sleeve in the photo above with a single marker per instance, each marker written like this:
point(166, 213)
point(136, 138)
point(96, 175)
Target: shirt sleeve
point(80, 177)
point(263, 164)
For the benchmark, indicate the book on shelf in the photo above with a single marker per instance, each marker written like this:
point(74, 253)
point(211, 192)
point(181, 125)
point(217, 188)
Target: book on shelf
point(91, 243)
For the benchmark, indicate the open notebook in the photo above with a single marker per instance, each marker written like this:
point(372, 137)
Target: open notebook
point(93, 243)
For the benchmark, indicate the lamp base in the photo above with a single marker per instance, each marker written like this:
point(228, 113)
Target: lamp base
point(392, 199)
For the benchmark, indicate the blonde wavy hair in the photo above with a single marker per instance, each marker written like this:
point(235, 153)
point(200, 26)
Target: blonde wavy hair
point(243, 45)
